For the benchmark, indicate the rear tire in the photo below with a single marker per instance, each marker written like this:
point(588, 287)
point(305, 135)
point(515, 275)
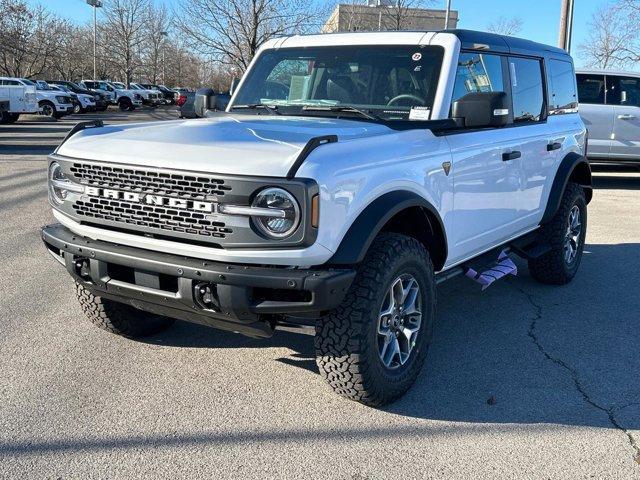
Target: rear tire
point(565, 233)
point(360, 345)
point(119, 318)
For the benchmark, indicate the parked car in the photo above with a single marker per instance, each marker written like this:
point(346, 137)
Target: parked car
point(169, 95)
point(125, 98)
point(82, 102)
point(19, 98)
point(150, 97)
point(335, 197)
point(610, 108)
point(101, 87)
point(100, 98)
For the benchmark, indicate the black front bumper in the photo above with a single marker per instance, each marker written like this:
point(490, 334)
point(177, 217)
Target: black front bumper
point(243, 298)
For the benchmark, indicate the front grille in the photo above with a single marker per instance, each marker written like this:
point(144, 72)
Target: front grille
point(194, 187)
point(158, 182)
point(162, 218)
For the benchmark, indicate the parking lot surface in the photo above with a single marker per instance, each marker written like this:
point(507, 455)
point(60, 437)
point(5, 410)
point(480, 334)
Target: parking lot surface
point(522, 381)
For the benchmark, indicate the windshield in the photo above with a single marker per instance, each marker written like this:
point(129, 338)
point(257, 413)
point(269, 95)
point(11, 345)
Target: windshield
point(42, 85)
point(27, 82)
point(392, 82)
point(119, 85)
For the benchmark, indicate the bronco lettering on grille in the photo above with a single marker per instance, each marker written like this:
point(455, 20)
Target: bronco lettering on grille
point(151, 199)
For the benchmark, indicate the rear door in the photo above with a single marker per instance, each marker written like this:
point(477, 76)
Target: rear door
point(624, 96)
point(596, 114)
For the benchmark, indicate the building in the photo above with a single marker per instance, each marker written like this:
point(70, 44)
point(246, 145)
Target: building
point(380, 15)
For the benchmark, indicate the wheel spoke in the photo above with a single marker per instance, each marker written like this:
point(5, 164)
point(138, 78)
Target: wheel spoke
point(392, 350)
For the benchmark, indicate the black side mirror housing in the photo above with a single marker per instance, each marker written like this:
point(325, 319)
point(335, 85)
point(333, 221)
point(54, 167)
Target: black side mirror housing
point(481, 110)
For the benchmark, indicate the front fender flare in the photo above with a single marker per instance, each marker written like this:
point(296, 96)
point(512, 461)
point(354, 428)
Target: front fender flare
point(373, 218)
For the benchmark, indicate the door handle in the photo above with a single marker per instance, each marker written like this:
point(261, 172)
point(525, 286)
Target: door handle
point(626, 117)
point(553, 146)
point(506, 156)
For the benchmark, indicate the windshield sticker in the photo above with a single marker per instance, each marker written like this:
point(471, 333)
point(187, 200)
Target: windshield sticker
point(420, 113)
point(416, 56)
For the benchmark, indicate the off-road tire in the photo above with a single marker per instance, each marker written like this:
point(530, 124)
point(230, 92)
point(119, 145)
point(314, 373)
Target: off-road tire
point(552, 268)
point(346, 342)
point(119, 318)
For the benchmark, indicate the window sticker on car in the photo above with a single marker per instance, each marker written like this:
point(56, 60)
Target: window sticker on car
point(514, 79)
point(420, 113)
point(416, 56)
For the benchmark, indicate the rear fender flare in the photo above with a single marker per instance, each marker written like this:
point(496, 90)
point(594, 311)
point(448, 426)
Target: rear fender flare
point(573, 167)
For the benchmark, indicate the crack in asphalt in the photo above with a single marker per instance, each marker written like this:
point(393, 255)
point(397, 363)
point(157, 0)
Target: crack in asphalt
point(576, 378)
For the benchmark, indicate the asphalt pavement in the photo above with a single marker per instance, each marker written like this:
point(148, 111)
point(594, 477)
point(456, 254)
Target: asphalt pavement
point(522, 381)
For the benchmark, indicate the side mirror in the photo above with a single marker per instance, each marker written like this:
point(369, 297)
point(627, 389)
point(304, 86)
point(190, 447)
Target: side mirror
point(205, 100)
point(234, 84)
point(483, 109)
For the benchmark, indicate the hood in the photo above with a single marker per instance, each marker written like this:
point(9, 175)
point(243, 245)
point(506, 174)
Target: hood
point(229, 144)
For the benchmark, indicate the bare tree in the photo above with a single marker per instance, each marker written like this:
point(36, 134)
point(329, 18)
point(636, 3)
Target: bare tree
point(125, 29)
point(613, 36)
point(157, 23)
point(399, 15)
point(233, 30)
point(505, 26)
point(29, 38)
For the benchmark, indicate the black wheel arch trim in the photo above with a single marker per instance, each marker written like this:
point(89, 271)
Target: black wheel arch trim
point(373, 218)
point(568, 166)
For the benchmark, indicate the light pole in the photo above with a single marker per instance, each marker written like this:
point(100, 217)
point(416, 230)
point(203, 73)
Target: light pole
point(164, 51)
point(566, 25)
point(95, 4)
point(447, 15)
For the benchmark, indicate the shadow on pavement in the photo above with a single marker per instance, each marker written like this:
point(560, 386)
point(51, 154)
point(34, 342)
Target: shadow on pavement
point(484, 347)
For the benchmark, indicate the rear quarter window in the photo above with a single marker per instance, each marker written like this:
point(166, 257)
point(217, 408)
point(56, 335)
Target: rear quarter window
point(563, 97)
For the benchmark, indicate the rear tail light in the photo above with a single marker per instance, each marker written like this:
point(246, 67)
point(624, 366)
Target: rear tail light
point(182, 99)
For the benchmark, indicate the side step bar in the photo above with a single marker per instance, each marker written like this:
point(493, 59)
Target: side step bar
point(528, 247)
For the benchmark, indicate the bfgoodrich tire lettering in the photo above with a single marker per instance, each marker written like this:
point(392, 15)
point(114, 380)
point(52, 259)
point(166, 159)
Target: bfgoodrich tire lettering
point(556, 267)
point(119, 318)
point(346, 342)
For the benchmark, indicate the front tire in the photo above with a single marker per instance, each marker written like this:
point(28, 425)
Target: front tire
point(119, 318)
point(125, 105)
point(48, 109)
point(565, 233)
point(371, 348)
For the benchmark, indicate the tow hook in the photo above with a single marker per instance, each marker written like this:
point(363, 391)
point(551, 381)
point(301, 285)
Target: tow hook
point(206, 296)
point(82, 268)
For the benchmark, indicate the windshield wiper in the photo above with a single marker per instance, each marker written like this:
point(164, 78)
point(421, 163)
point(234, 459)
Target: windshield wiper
point(341, 108)
point(273, 110)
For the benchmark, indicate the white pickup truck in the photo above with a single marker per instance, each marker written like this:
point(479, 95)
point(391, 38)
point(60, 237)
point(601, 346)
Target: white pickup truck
point(350, 175)
point(19, 99)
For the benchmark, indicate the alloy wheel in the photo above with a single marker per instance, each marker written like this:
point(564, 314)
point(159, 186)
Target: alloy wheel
point(399, 321)
point(572, 237)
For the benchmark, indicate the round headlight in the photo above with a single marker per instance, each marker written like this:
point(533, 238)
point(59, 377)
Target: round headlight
point(286, 211)
point(56, 178)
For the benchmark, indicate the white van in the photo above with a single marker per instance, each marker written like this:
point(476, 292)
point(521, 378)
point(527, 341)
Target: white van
point(21, 99)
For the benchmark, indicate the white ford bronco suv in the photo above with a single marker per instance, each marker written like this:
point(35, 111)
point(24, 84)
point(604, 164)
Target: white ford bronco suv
point(350, 174)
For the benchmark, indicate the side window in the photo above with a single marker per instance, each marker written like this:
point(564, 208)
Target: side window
point(563, 90)
point(527, 91)
point(590, 88)
point(9, 82)
point(623, 91)
point(478, 72)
